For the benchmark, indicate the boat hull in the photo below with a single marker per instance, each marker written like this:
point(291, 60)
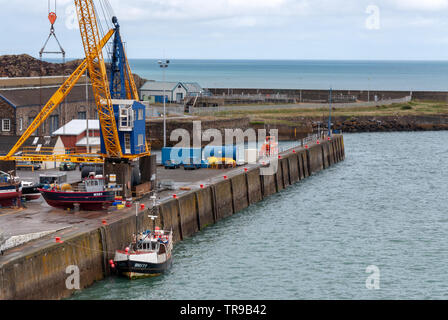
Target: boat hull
point(89, 201)
point(9, 196)
point(136, 269)
point(31, 193)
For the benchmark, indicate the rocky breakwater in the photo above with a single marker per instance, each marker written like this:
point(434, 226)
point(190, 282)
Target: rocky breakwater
point(392, 123)
point(383, 123)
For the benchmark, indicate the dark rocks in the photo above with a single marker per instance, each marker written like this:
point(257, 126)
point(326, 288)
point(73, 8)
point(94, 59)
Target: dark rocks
point(24, 65)
point(388, 124)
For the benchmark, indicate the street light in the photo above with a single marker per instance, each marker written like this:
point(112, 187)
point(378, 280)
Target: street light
point(329, 115)
point(164, 65)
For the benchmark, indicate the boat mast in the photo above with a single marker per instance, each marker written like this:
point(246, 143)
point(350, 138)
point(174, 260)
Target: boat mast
point(153, 215)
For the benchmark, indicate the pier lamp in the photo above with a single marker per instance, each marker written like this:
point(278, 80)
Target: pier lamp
point(329, 115)
point(164, 65)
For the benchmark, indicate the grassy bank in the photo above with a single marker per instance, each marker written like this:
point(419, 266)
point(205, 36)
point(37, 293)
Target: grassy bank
point(281, 116)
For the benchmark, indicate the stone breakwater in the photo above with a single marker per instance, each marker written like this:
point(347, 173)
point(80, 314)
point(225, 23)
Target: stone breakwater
point(391, 123)
point(39, 271)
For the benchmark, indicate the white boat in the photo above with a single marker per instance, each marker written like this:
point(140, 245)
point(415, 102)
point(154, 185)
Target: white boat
point(148, 255)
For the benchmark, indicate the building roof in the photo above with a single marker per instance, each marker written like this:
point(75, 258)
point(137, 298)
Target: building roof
point(7, 142)
point(193, 87)
point(160, 86)
point(35, 96)
point(76, 127)
point(2, 98)
point(93, 142)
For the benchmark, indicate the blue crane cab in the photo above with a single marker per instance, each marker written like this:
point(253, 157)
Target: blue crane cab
point(130, 118)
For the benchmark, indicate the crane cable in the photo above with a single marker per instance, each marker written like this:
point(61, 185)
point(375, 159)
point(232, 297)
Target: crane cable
point(107, 20)
point(49, 7)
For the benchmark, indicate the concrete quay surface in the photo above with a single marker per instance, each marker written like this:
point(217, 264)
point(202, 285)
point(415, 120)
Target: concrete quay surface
point(38, 269)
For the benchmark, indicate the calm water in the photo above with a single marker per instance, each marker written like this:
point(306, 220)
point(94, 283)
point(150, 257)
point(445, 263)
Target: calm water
point(386, 205)
point(355, 75)
point(300, 74)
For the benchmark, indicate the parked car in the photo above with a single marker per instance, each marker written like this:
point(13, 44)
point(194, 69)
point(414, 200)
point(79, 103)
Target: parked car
point(67, 166)
point(171, 165)
point(28, 165)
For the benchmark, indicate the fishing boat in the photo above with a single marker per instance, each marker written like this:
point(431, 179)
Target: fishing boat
point(30, 190)
point(148, 255)
point(92, 194)
point(10, 190)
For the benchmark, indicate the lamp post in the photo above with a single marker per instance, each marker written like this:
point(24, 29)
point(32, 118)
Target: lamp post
point(329, 115)
point(164, 65)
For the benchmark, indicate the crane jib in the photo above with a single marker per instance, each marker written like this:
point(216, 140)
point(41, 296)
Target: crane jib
point(54, 101)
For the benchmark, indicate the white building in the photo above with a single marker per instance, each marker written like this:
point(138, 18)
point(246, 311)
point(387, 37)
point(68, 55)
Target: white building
point(153, 91)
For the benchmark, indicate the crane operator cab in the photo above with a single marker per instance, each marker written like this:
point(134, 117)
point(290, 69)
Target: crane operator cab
point(131, 126)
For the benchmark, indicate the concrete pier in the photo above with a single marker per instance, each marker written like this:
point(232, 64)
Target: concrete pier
point(40, 269)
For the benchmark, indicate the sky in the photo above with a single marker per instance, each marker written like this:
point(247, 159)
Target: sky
point(244, 29)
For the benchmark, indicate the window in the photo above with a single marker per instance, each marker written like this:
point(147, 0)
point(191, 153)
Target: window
point(141, 139)
point(54, 123)
point(6, 125)
point(127, 143)
point(20, 124)
point(82, 115)
point(47, 140)
point(140, 114)
point(30, 121)
point(126, 118)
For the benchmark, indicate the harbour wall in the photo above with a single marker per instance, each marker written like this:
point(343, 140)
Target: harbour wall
point(307, 95)
point(44, 272)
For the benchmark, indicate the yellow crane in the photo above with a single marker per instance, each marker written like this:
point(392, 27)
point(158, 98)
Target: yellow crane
point(94, 62)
